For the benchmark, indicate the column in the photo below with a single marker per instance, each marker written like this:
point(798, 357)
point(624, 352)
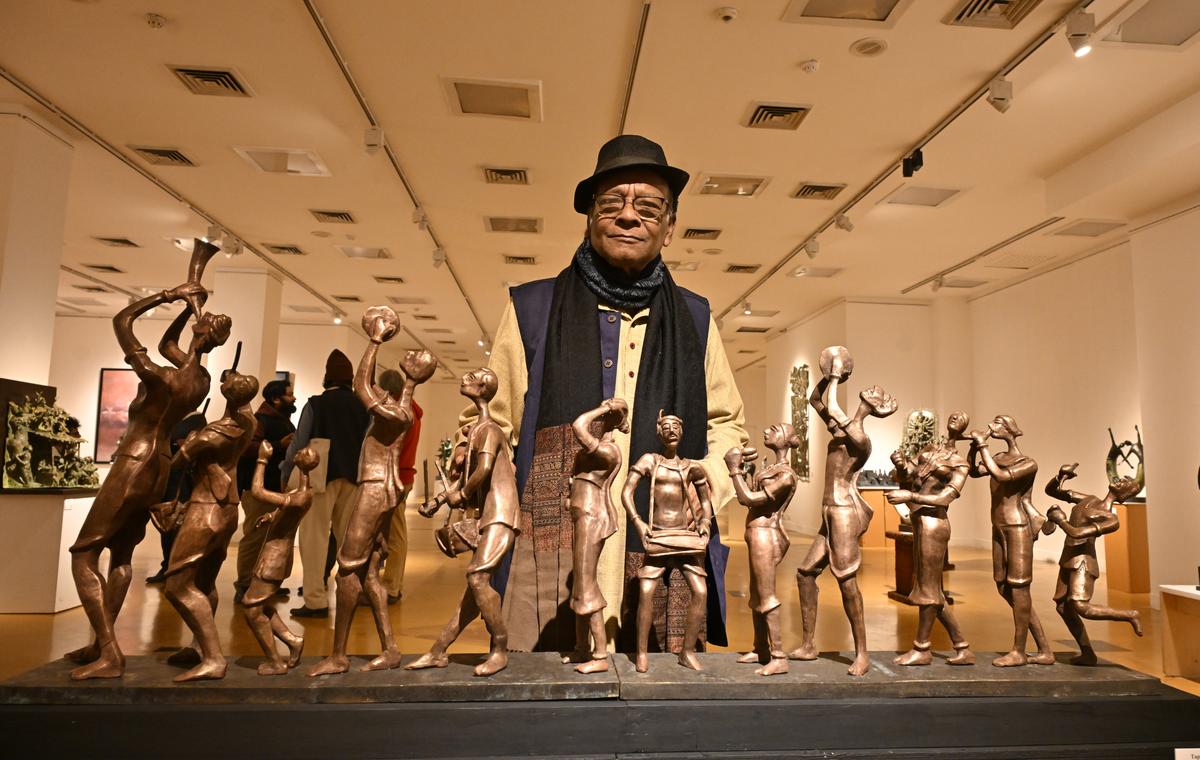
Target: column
point(251, 298)
point(35, 167)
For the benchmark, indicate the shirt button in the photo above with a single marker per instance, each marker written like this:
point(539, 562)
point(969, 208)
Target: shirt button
point(612, 318)
point(633, 345)
point(608, 363)
point(631, 373)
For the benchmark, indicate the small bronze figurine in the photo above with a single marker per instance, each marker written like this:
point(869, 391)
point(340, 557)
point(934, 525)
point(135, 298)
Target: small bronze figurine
point(594, 518)
point(274, 562)
point(1015, 526)
point(931, 481)
point(138, 476)
point(486, 488)
point(676, 536)
point(1078, 569)
point(364, 548)
point(209, 521)
point(766, 495)
point(845, 514)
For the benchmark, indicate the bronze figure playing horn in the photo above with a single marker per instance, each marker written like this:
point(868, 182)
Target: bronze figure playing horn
point(766, 494)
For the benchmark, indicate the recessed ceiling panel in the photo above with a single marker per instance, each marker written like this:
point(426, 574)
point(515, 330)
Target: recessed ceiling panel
point(1159, 22)
point(914, 195)
point(296, 161)
point(876, 13)
point(731, 184)
point(1089, 228)
point(364, 252)
point(500, 98)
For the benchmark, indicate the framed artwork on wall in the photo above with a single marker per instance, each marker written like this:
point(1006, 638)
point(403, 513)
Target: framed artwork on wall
point(799, 402)
point(118, 388)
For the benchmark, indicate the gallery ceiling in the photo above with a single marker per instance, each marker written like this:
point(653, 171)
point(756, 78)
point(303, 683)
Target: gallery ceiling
point(1105, 139)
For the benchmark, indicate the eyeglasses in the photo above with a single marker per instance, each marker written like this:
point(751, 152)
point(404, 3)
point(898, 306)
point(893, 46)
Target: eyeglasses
point(650, 208)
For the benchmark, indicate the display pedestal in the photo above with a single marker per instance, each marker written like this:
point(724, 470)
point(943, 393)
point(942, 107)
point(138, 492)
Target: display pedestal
point(902, 568)
point(1127, 552)
point(540, 708)
point(885, 518)
point(1181, 631)
point(35, 566)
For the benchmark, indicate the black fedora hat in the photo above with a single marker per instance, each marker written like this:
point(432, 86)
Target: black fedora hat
point(624, 152)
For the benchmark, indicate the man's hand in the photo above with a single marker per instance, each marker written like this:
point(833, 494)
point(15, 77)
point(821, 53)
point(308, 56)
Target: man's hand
point(419, 366)
point(977, 437)
point(899, 496)
point(1056, 515)
point(454, 497)
point(1067, 471)
point(264, 519)
point(705, 529)
point(265, 450)
point(643, 530)
point(380, 323)
point(430, 508)
point(737, 456)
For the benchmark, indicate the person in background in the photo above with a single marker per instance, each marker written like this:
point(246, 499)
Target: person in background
point(340, 417)
point(179, 484)
point(274, 420)
point(393, 570)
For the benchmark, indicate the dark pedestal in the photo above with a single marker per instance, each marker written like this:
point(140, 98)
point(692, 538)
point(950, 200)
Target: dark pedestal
point(725, 711)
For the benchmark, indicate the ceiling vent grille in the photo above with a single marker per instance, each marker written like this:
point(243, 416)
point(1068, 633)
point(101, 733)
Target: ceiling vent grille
point(776, 116)
point(284, 249)
point(496, 176)
point(752, 329)
point(993, 14)
point(162, 156)
point(211, 81)
point(701, 233)
point(438, 330)
point(106, 268)
point(683, 266)
point(425, 317)
point(389, 279)
point(84, 301)
point(445, 342)
point(1020, 261)
point(92, 288)
point(816, 272)
point(527, 261)
point(1089, 228)
point(305, 309)
point(513, 224)
point(407, 300)
point(348, 299)
point(731, 184)
point(116, 242)
point(962, 283)
point(742, 268)
point(816, 191)
point(364, 252)
point(333, 217)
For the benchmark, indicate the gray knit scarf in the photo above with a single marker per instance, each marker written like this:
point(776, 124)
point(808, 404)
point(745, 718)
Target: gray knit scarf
point(615, 287)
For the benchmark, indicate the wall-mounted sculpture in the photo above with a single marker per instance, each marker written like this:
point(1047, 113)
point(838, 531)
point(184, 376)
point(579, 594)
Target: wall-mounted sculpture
point(765, 494)
point(1078, 568)
point(1125, 455)
point(675, 535)
point(930, 482)
point(1015, 526)
point(274, 561)
point(138, 476)
point(845, 514)
point(799, 403)
point(594, 518)
point(364, 548)
point(485, 489)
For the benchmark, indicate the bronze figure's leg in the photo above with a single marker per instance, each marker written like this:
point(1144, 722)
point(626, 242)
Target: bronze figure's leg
point(645, 618)
point(853, 605)
point(377, 595)
point(962, 648)
point(758, 654)
point(778, 662)
point(349, 587)
point(599, 661)
point(1020, 603)
point(260, 626)
point(294, 641)
point(436, 656)
point(696, 609)
point(1045, 655)
point(1070, 615)
point(488, 602)
point(806, 581)
point(195, 607)
point(920, 654)
point(103, 655)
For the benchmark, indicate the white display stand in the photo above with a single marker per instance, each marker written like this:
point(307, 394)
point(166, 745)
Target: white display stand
point(35, 567)
point(1181, 631)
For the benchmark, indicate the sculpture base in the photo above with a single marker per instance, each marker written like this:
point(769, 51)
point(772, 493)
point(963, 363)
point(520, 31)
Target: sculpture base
point(725, 711)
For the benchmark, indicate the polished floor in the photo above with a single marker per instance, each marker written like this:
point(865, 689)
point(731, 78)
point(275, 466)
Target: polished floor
point(434, 584)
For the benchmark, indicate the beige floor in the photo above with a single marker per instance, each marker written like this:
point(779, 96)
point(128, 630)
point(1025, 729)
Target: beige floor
point(434, 584)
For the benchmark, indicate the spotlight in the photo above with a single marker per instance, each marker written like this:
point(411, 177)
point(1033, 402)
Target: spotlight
point(843, 222)
point(481, 342)
point(439, 257)
point(487, 353)
point(746, 308)
point(420, 219)
point(374, 140)
point(938, 282)
point(231, 245)
point(1000, 94)
point(812, 247)
point(184, 244)
point(1080, 27)
point(337, 319)
point(912, 163)
point(214, 234)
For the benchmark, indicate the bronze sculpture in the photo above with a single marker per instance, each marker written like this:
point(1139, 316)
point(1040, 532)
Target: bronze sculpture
point(364, 548)
point(845, 514)
point(1078, 568)
point(208, 522)
point(931, 481)
point(1015, 526)
point(766, 495)
point(674, 536)
point(594, 518)
point(486, 489)
point(274, 561)
point(117, 519)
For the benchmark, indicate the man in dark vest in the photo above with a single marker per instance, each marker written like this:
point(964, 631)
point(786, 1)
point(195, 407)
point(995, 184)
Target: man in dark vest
point(613, 324)
point(338, 416)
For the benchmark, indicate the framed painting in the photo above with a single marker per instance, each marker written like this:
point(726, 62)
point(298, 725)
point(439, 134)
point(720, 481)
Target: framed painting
point(118, 388)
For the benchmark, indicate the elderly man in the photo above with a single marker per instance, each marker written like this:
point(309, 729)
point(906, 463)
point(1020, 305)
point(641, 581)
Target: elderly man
point(612, 324)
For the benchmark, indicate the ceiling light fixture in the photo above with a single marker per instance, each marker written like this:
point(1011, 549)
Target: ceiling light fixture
point(912, 163)
point(373, 140)
point(439, 257)
point(1000, 94)
point(746, 308)
point(1080, 27)
point(231, 245)
point(482, 341)
point(938, 282)
point(812, 247)
point(843, 223)
point(183, 243)
point(419, 219)
point(337, 319)
point(214, 234)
